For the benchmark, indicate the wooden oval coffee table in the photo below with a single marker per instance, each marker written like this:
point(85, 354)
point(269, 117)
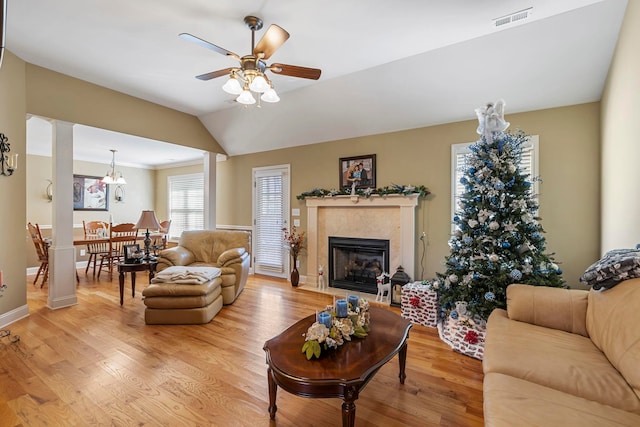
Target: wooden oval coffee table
point(338, 373)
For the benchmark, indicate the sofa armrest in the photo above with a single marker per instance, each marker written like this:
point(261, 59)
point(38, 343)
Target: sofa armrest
point(555, 308)
point(231, 256)
point(177, 255)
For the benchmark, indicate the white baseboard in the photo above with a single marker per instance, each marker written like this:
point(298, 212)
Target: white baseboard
point(14, 315)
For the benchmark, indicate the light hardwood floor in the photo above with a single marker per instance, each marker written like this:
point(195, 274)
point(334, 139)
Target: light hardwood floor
point(97, 363)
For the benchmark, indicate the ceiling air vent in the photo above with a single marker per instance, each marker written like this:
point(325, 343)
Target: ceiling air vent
point(512, 17)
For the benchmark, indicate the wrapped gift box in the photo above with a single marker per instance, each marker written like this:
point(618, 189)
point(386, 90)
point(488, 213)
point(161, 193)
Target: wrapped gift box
point(419, 304)
point(464, 335)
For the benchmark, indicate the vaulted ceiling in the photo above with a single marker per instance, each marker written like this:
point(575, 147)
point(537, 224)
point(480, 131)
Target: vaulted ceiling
point(386, 66)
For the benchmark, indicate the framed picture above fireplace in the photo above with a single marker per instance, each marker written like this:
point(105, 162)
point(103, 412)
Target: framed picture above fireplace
point(360, 170)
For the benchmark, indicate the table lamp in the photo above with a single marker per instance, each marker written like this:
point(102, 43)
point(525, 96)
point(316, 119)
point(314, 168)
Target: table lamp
point(147, 220)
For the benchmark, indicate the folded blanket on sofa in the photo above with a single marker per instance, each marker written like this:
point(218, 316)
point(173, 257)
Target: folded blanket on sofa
point(187, 275)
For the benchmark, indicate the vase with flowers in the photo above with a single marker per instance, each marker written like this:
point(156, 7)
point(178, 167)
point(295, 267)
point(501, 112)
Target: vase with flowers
point(294, 242)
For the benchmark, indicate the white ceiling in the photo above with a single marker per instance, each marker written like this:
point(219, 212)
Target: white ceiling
point(386, 66)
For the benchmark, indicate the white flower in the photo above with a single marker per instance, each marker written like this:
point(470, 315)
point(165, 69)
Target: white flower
point(453, 278)
point(472, 223)
point(494, 225)
point(509, 226)
point(494, 258)
point(512, 168)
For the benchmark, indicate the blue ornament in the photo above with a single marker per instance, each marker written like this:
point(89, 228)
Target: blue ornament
point(499, 185)
point(454, 314)
point(537, 236)
point(516, 274)
point(476, 276)
point(463, 181)
point(468, 240)
point(558, 271)
point(472, 171)
point(506, 245)
point(489, 296)
point(456, 218)
point(527, 184)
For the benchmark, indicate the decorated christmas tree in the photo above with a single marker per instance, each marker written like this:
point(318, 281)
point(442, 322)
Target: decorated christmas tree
point(498, 239)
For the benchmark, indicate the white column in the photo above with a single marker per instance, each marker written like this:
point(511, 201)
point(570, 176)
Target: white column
point(210, 191)
point(62, 263)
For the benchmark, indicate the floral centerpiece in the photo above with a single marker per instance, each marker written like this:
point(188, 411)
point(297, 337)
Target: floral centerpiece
point(294, 242)
point(320, 338)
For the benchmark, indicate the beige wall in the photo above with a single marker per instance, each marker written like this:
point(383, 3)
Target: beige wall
point(569, 166)
point(139, 195)
point(620, 203)
point(56, 96)
point(13, 111)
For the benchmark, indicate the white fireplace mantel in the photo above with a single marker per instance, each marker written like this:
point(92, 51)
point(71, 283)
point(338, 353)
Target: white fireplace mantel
point(389, 217)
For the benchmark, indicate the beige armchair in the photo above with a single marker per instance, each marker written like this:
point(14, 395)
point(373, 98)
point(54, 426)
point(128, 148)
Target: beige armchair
point(227, 250)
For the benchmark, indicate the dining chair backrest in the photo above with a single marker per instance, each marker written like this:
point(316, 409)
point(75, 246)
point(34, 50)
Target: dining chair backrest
point(121, 235)
point(42, 249)
point(95, 229)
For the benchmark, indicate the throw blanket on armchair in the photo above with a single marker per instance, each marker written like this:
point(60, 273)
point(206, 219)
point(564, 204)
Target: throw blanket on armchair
point(187, 275)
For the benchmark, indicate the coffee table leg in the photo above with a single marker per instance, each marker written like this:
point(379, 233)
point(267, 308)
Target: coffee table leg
point(273, 389)
point(133, 284)
point(349, 407)
point(402, 358)
point(121, 277)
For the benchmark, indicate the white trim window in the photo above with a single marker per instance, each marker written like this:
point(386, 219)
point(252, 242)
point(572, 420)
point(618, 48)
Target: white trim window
point(460, 152)
point(186, 203)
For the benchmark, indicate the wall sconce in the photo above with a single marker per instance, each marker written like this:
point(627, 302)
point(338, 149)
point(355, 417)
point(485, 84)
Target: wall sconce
point(119, 194)
point(50, 190)
point(8, 162)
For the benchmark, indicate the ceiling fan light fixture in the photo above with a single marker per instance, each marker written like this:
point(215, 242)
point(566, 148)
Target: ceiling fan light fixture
point(232, 86)
point(245, 97)
point(259, 84)
point(270, 96)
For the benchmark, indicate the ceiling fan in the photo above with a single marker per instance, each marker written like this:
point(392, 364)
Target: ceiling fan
point(250, 75)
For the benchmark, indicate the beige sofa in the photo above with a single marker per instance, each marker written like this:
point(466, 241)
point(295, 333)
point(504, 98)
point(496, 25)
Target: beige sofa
point(227, 250)
point(560, 357)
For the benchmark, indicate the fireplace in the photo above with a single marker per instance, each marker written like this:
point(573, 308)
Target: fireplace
point(354, 263)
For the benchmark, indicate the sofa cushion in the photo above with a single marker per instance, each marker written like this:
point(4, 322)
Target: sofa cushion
point(510, 401)
point(556, 359)
point(612, 322)
point(556, 308)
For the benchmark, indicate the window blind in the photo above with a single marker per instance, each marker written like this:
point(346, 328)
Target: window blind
point(270, 204)
point(186, 203)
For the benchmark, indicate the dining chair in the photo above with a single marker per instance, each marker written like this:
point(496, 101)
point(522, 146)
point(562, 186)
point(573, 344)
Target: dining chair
point(42, 251)
point(95, 229)
point(119, 236)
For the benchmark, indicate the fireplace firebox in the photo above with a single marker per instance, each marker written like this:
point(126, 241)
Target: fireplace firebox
point(355, 263)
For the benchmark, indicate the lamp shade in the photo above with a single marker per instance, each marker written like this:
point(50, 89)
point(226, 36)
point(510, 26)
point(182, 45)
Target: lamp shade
point(259, 84)
point(246, 98)
point(270, 96)
point(148, 220)
point(232, 86)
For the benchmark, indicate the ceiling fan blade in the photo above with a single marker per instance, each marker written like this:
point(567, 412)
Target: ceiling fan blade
point(214, 74)
point(206, 44)
point(295, 71)
point(270, 42)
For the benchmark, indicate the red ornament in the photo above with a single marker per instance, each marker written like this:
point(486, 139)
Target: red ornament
point(414, 301)
point(471, 337)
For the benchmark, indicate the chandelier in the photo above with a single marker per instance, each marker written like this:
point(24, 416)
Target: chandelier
point(110, 177)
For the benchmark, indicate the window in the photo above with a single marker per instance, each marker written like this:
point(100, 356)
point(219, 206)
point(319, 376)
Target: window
point(459, 153)
point(186, 203)
point(270, 207)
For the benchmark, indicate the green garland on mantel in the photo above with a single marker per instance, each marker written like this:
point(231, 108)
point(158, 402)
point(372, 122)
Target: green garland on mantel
point(404, 190)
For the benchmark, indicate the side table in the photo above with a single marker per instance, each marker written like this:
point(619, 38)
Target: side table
point(123, 267)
